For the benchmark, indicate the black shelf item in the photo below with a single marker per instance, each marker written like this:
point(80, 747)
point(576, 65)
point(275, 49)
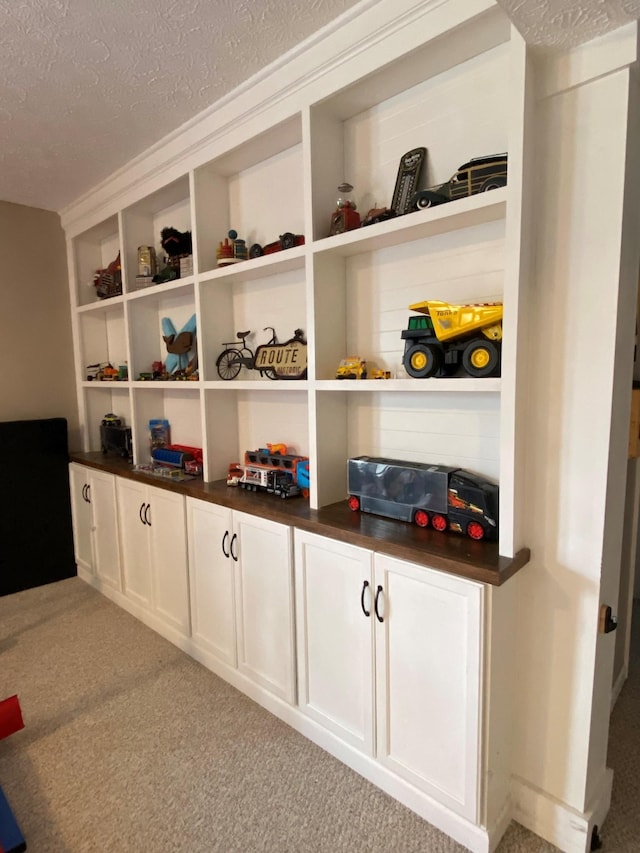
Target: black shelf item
point(35, 519)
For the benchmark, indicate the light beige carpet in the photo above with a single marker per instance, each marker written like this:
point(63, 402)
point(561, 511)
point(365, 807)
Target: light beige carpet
point(130, 745)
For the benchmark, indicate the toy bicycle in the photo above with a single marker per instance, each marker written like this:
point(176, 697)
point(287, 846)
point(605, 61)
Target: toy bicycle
point(237, 354)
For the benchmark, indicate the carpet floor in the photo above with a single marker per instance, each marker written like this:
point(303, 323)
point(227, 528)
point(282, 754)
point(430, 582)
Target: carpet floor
point(131, 745)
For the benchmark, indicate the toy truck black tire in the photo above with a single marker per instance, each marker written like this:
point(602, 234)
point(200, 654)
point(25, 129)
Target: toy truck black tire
point(423, 360)
point(481, 357)
point(427, 198)
point(493, 183)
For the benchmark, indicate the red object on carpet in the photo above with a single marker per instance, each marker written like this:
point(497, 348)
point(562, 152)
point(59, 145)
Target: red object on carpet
point(10, 717)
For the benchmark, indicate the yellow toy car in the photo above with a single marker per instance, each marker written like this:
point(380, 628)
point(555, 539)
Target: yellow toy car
point(352, 367)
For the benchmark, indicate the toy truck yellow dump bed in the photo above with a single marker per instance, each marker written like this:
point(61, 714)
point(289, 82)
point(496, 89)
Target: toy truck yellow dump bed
point(454, 321)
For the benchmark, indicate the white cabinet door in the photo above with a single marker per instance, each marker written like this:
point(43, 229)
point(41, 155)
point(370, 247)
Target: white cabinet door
point(213, 620)
point(428, 670)
point(334, 625)
point(134, 535)
point(95, 523)
point(168, 542)
point(154, 551)
point(102, 497)
point(261, 551)
point(81, 514)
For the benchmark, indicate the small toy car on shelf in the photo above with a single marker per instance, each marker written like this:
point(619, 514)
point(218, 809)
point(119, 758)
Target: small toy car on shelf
point(102, 370)
point(108, 281)
point(352, 367)
point(380, 374)
point(478, 175)
point(378, 214)
point(285, 241)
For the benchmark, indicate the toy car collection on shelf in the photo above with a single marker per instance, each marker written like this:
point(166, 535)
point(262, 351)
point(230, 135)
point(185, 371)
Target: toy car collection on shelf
point(440, 340)
point(480, 174)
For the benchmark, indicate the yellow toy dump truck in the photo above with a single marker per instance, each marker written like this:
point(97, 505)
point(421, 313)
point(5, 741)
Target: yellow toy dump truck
point(445, 337)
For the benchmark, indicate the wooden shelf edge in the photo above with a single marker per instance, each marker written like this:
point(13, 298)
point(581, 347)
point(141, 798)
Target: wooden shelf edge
point(451, 553)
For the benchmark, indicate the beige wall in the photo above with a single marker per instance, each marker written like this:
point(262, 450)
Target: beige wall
point(36, 350)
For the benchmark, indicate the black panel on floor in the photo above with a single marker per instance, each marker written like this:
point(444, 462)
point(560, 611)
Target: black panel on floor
point(36, 535)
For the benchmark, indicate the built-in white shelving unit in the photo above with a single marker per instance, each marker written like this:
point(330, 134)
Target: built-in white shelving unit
point(456, 94)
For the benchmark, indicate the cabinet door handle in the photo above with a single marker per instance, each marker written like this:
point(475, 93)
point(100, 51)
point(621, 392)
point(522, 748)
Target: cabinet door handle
point(225, 538)
point(365, 585)
point(147, 516)
point(375, 604)
point(140, 513)
point(85, 493)
point(233, 554)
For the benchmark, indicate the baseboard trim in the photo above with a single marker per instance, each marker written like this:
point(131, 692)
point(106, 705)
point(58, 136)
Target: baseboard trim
point(555, 821)
point(618, 685)
point(500, 826)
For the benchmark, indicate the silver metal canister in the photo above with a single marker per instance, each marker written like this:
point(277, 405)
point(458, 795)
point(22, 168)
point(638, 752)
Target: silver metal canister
point(146, 260)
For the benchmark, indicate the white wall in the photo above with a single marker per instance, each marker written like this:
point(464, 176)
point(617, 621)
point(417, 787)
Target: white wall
point(37, 378)
point(565, 665)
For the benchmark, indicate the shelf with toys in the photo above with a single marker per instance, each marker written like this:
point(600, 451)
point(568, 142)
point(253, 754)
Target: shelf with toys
point(95, 249)
point(103, 342)
point(160, 222)
point(259, 210)
point(249, 189)
point(240, 420)
point(291, 300)
point(271, 308)
point(163, 334)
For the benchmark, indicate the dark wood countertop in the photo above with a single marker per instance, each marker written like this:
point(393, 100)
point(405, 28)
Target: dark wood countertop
point(458, 555)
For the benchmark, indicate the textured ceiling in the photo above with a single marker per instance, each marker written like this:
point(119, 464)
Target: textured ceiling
point(86, 85)
point(567, 23)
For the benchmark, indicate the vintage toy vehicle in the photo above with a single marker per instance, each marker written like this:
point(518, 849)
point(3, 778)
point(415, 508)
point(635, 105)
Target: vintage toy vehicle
point(115, 437)
point(352, 367)
point(284, 241)
point(444, 497)
point(476, 176)
point(101, 370)
point(234, 474)
point(380, 374)
point(108, 281)
point(378, 214)
point(446, 337)
point(110, 374)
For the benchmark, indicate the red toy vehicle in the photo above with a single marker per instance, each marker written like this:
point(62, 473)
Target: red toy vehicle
point(285, 241)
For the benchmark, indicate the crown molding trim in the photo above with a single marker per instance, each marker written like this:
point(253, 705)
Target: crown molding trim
point(360, 36)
